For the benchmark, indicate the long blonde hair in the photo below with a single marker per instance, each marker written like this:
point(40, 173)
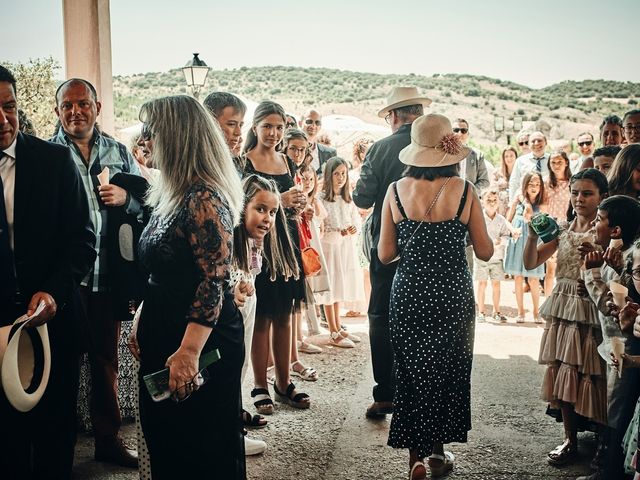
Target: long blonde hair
point(188, 146)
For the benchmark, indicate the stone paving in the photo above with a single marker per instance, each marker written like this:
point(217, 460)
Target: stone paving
point(334, 441)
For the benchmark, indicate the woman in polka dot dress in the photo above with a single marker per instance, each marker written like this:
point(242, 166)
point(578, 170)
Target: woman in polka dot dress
point(432, 304)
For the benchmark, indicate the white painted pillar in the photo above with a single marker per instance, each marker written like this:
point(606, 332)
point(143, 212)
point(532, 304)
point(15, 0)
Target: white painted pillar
point(87, 46)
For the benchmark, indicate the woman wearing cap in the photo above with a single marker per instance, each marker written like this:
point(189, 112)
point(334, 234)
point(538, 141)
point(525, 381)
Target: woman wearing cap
point(425, 218)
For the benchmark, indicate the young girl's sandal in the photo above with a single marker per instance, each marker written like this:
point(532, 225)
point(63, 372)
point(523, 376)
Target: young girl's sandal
point(299, 400)
point(262, 401)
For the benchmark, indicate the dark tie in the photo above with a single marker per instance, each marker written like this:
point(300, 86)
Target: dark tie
point(7, 272)
point(538, 163)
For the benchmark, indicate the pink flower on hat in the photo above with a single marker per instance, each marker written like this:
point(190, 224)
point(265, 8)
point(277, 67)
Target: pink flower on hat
point(450, 144)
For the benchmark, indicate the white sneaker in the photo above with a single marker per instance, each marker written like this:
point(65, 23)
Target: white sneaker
point(480, 317)
point(253, 446)
point(337, 340)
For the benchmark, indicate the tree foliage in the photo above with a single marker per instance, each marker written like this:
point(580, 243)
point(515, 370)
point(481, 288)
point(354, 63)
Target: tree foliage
point(36, 89)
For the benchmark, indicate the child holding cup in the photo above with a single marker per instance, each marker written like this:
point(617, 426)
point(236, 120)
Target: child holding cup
point(617, 219)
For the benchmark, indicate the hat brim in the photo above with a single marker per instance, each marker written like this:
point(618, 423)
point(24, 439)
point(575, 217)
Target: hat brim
point(417, 156)
point(424, 101)
point(25, 377)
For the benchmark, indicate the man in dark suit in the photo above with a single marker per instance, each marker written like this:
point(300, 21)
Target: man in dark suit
point(46, 248)
point(382, 167)
point(311, 124)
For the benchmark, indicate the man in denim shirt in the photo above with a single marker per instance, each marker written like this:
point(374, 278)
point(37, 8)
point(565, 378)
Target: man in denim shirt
point(77, 107)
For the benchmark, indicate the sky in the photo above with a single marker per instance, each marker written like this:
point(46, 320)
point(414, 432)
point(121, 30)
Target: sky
point(532, 43)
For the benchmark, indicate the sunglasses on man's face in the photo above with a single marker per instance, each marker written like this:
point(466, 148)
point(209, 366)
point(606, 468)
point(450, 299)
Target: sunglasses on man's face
point(586, 143)
point(522, 144)
point(309, 121)
point(461, 130)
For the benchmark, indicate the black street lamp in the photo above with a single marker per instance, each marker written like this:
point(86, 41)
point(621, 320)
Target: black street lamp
point(195, 74)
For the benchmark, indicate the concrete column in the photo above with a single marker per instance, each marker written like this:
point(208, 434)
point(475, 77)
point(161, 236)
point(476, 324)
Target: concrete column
point(87, 45)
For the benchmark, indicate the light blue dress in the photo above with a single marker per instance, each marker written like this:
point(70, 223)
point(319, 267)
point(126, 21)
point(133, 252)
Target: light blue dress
point(513, 264)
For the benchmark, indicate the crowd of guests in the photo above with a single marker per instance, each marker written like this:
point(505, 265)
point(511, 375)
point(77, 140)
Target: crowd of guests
point(208, 245)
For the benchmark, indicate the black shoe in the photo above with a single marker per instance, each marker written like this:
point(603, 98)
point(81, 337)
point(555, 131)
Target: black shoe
point(379, 409)
point(117, 453)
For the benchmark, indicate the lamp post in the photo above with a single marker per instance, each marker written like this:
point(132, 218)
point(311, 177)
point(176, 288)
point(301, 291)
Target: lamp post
point(195, 74)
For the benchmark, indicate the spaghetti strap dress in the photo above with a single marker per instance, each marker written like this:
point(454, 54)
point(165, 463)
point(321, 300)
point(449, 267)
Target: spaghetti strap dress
point(277, 297)
point(432, 332)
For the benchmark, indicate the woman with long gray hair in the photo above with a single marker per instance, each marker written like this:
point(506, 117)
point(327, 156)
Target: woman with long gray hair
point(187, 314)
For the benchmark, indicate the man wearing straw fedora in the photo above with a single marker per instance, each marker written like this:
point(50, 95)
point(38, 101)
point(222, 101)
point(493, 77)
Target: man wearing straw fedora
point(46, 248)
point(381, 167)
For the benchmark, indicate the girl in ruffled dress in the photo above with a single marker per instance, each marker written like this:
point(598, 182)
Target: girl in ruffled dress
point(574, 383)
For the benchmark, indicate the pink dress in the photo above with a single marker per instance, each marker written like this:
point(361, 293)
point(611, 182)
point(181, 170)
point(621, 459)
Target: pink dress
point(558, 199)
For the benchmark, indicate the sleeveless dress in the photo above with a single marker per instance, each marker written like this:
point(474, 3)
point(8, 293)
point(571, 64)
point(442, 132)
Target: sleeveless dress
point(277, 297)
point(432, 331)
point(575, 372)
point(513, 263)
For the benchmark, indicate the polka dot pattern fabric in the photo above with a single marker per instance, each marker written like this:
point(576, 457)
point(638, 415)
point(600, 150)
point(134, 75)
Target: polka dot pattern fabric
point(432, 331)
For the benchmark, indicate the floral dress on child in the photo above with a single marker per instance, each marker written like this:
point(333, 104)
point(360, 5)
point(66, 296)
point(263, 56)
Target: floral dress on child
point(575, 371)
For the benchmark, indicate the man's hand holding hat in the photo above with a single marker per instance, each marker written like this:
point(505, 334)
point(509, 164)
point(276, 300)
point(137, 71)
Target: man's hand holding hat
point(47, 313)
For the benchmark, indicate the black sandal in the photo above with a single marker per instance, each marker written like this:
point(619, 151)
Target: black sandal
point(299, 400)
point(562, 454)
point(262, 401)
point(252, 421)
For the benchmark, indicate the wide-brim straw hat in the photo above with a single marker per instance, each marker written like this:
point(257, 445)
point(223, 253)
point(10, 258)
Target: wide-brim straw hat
point(403, 97)
point(433, 143)
point(25, 356)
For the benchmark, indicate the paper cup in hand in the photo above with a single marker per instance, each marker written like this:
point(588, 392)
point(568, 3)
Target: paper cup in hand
point(615, 243)
point(617, 346)
point(619, 293)
point(103, 176)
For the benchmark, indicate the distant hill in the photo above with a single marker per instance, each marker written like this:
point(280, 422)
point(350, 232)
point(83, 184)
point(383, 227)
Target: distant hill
point(563, 110)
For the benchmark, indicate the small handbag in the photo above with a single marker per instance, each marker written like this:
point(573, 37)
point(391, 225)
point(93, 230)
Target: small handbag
point(310, 262)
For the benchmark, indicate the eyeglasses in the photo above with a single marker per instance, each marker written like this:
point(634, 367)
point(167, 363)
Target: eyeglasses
point(290, 125)
point(198, 380)
point(387, 117)
point(629, 127)
point(635, 273)
point(309, 121)
point(461, 130)
point(296, 150)
point(587, 143)
point(522, 144)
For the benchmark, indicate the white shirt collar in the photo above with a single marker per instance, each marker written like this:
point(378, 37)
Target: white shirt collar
point(11, 149)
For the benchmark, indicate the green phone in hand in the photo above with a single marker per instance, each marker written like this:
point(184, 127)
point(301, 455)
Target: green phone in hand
point(158, 383)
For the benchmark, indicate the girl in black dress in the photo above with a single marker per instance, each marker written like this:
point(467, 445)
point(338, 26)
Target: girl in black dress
point(276, 297)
